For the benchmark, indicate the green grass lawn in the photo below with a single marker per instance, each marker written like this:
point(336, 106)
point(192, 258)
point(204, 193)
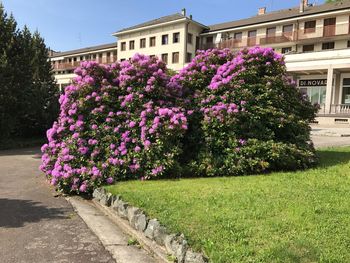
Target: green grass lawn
point(281, 217)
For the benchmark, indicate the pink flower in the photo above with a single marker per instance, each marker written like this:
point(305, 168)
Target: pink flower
point(137, 149)
point(109, 180)
point(83, 188)
point(132, 124)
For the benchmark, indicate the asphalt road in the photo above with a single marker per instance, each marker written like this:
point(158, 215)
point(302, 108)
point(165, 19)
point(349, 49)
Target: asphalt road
point(35, 226)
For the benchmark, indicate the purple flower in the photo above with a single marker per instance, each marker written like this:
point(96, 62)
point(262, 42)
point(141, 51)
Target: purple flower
point(83, 188)
point(132, 124)
point(137, 149)
point(109, 180)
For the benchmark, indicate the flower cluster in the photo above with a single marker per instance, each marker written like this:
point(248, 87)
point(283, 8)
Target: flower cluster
point(117, 121)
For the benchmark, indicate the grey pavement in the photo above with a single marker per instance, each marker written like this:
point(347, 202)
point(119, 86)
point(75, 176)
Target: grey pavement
point(35, 226)
point(329, 141)
point(330, 131)
point(111, 235)
point(330, 136)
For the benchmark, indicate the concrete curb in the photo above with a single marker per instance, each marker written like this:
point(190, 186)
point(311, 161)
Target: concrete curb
point(112, 237)
point(150, 234)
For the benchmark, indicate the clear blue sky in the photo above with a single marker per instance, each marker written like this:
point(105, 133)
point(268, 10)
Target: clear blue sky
point(72, 24)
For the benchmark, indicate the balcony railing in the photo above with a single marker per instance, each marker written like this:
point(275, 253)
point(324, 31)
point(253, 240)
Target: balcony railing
point(71, 65)
point(340, 109)
point(252, 41)
point(231, 43)
point(285, 37)
point(329, 31)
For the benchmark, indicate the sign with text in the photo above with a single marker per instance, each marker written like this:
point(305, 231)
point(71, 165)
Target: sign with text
point(312, 82)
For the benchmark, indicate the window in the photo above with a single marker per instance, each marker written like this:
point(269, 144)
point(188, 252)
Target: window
point(308, 48)
point(252, 33)
point(152, 41)
point(70, 60)
point(270, 32)
point(329, 27)
point(142, 42)
point(286, 50)
point(252, 38)
point(348, 43)
point(165, 58)
point(188, 57)
point(75, 59)
point(165, 39)
point(310, 26)
point(346, 91)
point(176, 38)
point(238, 36)
point(189, 38)
point(197, 43)
point(315, 94)
point(94, 56)
point(327, 45)
point(210, 40)
point(287, 29)
point(100, 55)
point(176, 57)
point(123, 46)
point(108, 54)
point(131, 44)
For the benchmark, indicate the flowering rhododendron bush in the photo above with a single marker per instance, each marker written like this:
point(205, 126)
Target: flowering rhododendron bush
point(250, 117)
point(116, 122)
point(226, 113)
point(192, 81)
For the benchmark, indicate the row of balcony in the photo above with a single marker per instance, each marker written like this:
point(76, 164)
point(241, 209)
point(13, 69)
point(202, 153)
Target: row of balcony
point(73, 64)
point(284, 37)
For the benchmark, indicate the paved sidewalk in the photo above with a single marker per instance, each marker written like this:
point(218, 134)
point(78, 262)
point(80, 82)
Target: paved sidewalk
point(330, 136)
point(35, 226)
point(330, 141)
point(110, 234)
point(330, 131)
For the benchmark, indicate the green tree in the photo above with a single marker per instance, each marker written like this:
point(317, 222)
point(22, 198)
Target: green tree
point(28, 92)
point(8, 33)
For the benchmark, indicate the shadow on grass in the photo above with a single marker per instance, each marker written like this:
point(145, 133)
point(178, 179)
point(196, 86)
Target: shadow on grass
point(329, 158)
point(294, 251)
point(15, 212)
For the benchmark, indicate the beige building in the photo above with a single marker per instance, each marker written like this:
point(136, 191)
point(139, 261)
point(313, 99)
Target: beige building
point(315, 40)
point(64, 63)
point(174, 39)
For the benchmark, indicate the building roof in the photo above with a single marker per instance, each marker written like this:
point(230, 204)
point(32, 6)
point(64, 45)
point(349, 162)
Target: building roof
point(161, 20)
point(84, 50)
point(281, 14)
point(153, 22)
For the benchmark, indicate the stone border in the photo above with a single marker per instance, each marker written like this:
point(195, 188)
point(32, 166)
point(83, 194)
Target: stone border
point(149, 232)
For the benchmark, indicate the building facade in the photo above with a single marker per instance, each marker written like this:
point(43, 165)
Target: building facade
point(316, 43)
point(315, 40)
point(64, 63)
point(173, 38)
